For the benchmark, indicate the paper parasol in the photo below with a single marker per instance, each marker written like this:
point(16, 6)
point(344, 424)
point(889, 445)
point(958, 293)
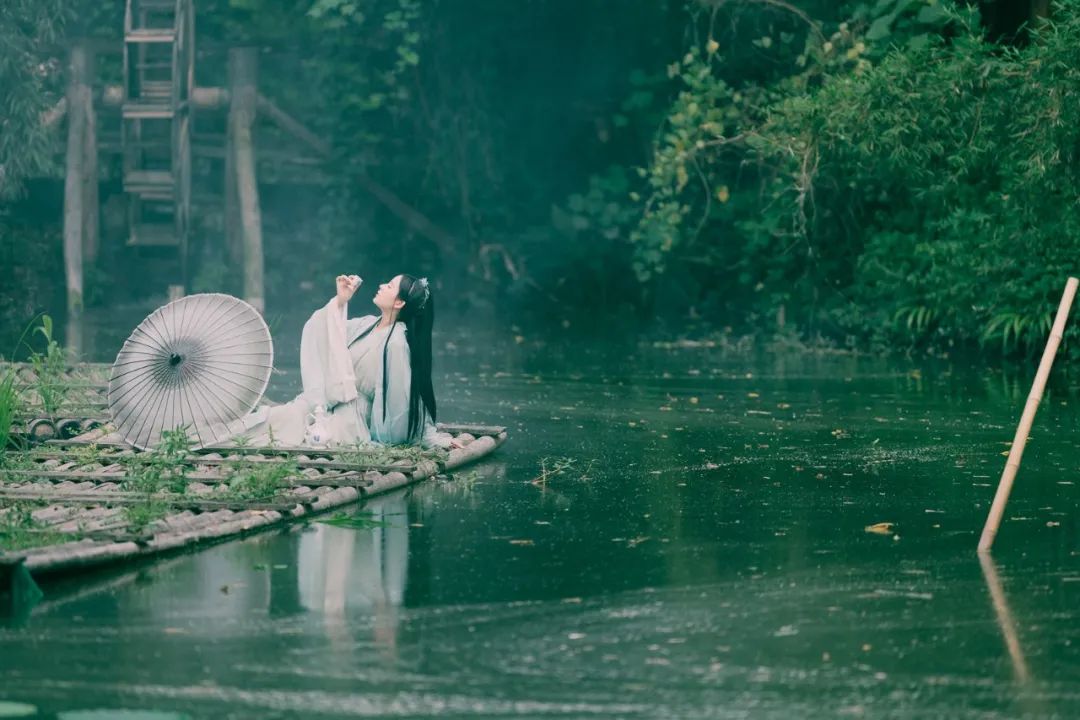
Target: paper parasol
point(199, 363)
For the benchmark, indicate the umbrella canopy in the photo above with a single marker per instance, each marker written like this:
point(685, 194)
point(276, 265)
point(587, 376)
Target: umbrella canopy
point(199, 363)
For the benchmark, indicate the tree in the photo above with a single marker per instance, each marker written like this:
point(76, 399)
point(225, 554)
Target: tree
point(30, 84)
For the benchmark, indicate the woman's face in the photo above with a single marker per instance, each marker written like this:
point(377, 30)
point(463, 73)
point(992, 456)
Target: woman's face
point(387, 296)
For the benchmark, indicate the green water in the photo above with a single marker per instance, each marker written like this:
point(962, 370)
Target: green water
point(704, 556)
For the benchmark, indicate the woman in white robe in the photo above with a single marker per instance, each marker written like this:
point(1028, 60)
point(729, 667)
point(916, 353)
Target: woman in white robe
point(371, 375)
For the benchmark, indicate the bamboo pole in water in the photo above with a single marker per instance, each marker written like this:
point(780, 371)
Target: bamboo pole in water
point(1005, 618)
point(1012, 465)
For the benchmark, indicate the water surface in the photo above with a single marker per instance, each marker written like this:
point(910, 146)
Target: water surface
point(701, 554)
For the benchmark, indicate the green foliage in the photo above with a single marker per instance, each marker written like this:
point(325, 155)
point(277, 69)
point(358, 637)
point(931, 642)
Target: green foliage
point(261, 481)
point(10, 405)
point(353, 520)
point(19, 530)
point(140, 516)
point(153, 473)
point(862, 169)
point(50, 368)
point(31, 85)
point(897, 177)
point(163, 469)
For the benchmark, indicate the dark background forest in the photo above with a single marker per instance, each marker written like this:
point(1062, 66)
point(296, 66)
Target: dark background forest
point(883, 175)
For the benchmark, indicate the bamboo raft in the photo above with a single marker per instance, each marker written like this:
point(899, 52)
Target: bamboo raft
point(74, 485)
point(82, 392)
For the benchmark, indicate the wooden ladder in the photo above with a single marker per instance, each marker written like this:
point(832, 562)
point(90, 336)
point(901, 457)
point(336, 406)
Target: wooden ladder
point(159, 77)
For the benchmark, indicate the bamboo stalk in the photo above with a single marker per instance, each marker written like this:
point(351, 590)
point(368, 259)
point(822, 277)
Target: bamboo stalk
point(1016, 452)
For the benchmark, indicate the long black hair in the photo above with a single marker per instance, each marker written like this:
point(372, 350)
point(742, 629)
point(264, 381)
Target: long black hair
point(418, 315)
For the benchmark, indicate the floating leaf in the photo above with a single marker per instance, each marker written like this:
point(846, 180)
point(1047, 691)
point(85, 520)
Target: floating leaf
point(359, 521)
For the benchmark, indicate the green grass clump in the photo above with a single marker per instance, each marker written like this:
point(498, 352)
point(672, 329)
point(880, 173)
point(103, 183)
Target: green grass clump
point(10, 404)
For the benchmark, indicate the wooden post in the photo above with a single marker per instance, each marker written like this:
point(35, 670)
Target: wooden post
point(90, 170)
point(74, 217)
point(1012, 465)
point(243, 64)
point(233, 236)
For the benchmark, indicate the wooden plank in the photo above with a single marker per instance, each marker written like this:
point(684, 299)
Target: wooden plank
point(129, 498)
point(147, 111)
point(199, 460)
point(150, 35)
point(340, 479)
point(477, 430)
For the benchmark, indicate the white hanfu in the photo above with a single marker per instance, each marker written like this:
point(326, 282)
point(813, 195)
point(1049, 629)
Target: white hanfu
point(342, 365)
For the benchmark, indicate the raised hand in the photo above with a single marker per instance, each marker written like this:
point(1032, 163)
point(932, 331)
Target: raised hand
point(346, 286)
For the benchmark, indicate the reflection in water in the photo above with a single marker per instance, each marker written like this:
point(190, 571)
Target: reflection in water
point(344, 569)
point(1004, 618)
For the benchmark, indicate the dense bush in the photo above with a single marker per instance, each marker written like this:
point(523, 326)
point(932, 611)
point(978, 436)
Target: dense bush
point(907, 181)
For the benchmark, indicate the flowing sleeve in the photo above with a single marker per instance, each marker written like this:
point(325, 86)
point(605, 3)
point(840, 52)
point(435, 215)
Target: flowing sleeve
point(392, 427)
point(325, 366)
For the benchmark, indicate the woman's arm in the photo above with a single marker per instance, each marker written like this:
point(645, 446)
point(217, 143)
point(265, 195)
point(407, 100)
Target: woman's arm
point(325, 366)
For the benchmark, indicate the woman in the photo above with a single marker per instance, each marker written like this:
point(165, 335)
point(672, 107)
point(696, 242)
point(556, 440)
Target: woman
point(365, 379)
